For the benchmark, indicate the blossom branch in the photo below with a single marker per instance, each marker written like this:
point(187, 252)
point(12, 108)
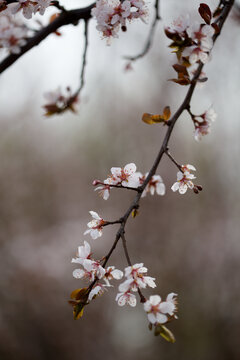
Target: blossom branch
point(124, 243)
point(70, 17)
point(150, 35)
point(172, 159)
point(164, 147)
point(82, 76)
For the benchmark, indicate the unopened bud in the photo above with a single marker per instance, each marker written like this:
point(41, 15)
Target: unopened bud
point(195, 190)
point(199, 187)
point(124, 28)
point(96, 182)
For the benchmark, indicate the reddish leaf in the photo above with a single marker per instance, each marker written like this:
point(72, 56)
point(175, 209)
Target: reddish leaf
point(205, 13)
point(180, 69)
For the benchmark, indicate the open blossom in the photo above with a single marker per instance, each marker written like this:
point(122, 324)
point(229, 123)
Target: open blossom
point(84, 252)
point(95, 226)
point(29, 7)
point(91, 270)
point(202, 37)
point(58, 102)
point(113, 14)
point(96, 291)
point(159, 311)
point(126, 298)
point(184, 179)
point(136, 279)
point(13, 34)
point(112, 273)
point(203, 123)
point(155, 184)
point(126, 176)
point(179, 25)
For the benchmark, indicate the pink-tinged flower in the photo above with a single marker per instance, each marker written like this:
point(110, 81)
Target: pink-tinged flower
point(126, 176)
point(113, 14)
point(83, 274)
point(13, 34)
point(209, 115)
point(97, 290)
point(155, 184)
point(57, 102)
point(202, 37)
point(158, 311)
point(179, 25)
point(29, 7)
point(126, 298)
point(94, 268)
point(184, 179)
point(96, 226)
point(84, 252)
point(203, 123)
point(136, 278)
point(104, 191)
point(112, 273)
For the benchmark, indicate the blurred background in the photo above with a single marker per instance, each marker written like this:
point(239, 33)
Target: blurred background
point(189, 243)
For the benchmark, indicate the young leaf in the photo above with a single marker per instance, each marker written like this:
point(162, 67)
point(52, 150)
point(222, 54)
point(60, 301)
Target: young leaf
point(205, 13)
point(164, 332)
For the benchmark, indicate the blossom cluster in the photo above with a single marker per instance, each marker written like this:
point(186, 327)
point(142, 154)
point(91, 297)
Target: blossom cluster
point(202, 123)
point(58, 102)
point(129, 177)
point(192, 42)
point(113, 14)
point(29, 8)
point(184, 180)
point(13, 34)
point(135, 279)
point(92, 270)
point(159, 312)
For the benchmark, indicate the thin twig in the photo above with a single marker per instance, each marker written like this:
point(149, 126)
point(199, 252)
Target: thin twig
point(65, 18)
point(150, 35)
point(173, 160)
point(82, 76)
point(124, 242)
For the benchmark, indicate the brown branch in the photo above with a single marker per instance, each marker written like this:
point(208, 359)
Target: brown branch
point(150, 35)
point(82, 76)
point(65, 18)
point(124, 242)
point(173, 160)
point(164, 147)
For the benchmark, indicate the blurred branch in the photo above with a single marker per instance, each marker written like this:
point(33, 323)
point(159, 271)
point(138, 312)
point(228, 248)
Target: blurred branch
point(82, 76)
point(70, 17)
point(150, 35)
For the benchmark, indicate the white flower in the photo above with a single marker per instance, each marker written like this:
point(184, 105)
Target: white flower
point(104, 191)
point(83, 253)
point(155, 184)
point(209, 115)
point(96, 291)
point(112, 14)
point(94, 268)
point(136, 278)
point(180, 24)
point(13, 34)
point(158, 311)
point(126, 176)
point(112, 273)
point(126, 298)
point(203, 123)
point(95, 226)
point(184, 179)
point(30, 7)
